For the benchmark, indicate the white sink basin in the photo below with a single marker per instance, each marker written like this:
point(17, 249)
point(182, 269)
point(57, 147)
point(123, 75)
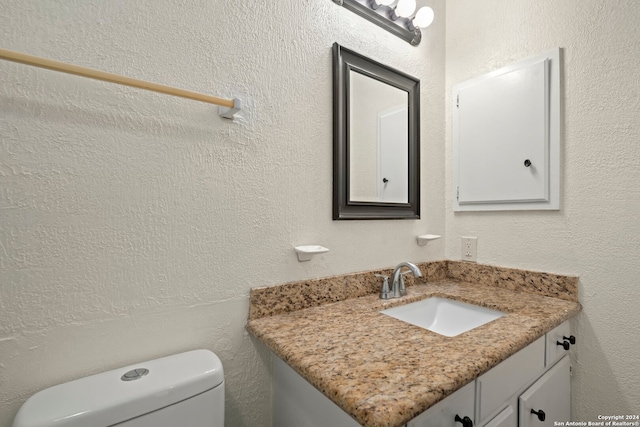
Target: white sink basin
point(444, 316)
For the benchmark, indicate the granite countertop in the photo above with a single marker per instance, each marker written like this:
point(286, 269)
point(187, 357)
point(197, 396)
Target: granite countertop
point(384, 372)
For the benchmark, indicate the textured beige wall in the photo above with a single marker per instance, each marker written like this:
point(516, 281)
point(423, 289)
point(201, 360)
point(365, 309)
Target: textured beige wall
point(595, 234)
point(133, 224)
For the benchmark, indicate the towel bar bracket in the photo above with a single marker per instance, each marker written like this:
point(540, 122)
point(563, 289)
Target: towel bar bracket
point(229, 113)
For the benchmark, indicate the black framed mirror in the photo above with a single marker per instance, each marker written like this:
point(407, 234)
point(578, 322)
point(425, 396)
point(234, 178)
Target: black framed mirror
point(376, 139)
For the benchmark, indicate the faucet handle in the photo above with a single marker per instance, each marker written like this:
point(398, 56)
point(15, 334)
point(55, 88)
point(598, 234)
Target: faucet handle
point(384, 293)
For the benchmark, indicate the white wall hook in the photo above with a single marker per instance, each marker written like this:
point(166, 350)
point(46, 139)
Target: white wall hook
point(305, 253)
point(423, 239)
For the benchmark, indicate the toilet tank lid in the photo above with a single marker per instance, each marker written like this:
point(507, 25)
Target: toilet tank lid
point(105, 399)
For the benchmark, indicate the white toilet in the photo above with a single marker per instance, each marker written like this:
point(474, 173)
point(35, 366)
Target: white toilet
point(185, 389)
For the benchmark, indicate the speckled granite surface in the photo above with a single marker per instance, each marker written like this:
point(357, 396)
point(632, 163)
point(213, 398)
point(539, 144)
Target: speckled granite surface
point(272, 300)
point(552, 285)
point(384, 372)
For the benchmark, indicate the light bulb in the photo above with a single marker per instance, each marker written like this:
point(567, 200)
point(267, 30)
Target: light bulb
point(385, 2)
point(424, 17)
point(405, 8)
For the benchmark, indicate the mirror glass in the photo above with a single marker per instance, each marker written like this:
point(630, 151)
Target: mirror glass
point(376, 140)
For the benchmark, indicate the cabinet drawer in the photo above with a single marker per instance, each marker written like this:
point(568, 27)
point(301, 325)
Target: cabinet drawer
point(555, 351)
point(443, 413)
point(500, 383)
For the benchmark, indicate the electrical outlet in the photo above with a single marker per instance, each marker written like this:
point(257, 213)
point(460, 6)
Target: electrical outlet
point(470, 249)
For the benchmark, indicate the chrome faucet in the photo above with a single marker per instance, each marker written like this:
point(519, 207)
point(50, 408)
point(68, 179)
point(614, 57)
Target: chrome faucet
point(397, 287)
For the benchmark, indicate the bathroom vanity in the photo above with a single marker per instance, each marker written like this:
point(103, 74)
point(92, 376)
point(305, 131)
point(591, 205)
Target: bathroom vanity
point(537, 379)
point(366, 368)
point(530, 388)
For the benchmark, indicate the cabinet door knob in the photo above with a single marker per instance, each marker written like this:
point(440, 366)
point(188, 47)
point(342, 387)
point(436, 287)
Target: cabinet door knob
point(527, 163)
point(571, 339)
point(466, 421)
point(541, 415)
point(385, 180)
point(564, 344)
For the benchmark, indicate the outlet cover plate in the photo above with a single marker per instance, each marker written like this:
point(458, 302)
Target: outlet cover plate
point(469, 249)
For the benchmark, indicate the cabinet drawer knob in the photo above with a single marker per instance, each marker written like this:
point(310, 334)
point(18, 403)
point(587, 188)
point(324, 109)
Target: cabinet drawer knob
point(564, 344)
point(570, 338)
point(466, 421)
point(541, 415)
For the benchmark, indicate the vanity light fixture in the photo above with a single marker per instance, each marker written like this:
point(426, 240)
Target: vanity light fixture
point(405, 8)
point(396, 16)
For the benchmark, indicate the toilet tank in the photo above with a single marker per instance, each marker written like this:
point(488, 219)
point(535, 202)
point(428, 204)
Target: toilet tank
point(185, 389)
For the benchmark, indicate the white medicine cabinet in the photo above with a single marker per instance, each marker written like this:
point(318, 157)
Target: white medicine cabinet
point(506, 137)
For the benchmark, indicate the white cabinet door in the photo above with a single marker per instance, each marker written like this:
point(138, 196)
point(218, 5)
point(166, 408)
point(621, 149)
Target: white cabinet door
point(549, 398)
point(506, 137)
point(508, 417)
point(443, 413)
point(502, 124)
point(296, 403)
point(495, 387)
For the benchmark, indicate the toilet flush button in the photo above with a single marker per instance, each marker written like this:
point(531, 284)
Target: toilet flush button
point(134, 374)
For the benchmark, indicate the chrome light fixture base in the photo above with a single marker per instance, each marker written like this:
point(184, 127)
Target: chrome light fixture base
point(384, 17)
